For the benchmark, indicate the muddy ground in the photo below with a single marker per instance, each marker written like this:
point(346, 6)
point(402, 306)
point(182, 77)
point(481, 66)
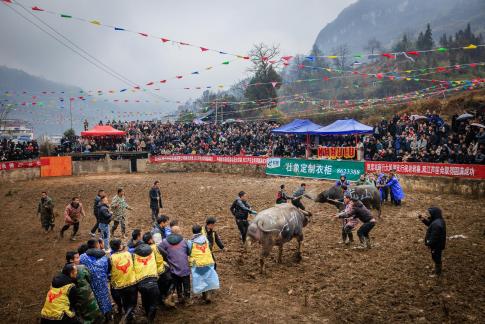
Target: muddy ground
point(332, 284)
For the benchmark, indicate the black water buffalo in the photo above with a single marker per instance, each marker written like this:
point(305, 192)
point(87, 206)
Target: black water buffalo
point(276, 226)
point(368, 194)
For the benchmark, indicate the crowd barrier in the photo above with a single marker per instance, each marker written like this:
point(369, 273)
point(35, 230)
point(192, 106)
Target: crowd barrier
point(56, 166)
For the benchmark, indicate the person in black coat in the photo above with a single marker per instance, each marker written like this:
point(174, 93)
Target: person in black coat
point(435, 235)
point(155, 200)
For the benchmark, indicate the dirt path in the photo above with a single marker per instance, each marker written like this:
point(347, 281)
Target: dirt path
point(333, 283)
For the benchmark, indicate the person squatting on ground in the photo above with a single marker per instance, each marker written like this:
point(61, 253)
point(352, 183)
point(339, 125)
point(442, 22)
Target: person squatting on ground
point(86, 306)
point(435, 238)
point(155, 200)
point(119, 207)
point(61, 298)
point(204, 276)
point(176, 251)
point(146, 275)
point(360, 212)
point(72, 215)
point(98, 198)
point(161, 229)
point(45, 210)
point(348, 224)
point(212, 237)
point(97, 263)
point(104, 217)
point(241, 209)
point(282, 197)
point(164, 277)
point(123, 280)
point(298, 195)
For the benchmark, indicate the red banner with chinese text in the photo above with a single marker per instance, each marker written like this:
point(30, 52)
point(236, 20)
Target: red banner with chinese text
point(336, 152)
point(237, 159)
point(474, 171)
point(12, 165)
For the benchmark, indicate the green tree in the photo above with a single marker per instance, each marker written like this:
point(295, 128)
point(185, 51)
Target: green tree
point(70, 133)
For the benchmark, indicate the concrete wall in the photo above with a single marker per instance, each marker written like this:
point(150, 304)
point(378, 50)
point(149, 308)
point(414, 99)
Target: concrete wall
point(256, 170)
point(439, 185)
point(19, 174)
point(100, 166)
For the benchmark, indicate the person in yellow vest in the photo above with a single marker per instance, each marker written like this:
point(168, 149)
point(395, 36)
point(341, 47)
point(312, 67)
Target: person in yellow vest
point(164, 278)
point(204, 276)
point(123, 280)
point(61, 298)
point(212, 237)
point(146, 275)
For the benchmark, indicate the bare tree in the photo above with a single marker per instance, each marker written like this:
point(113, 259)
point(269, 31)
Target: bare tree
point(373, 45)
point(342, 52)
point(261, 55)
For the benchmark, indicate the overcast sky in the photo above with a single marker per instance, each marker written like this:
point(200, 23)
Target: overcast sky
point(231, 26)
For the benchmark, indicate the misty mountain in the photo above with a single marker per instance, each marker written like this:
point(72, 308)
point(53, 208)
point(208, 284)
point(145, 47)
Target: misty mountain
point(388, 20)
point(45, 104)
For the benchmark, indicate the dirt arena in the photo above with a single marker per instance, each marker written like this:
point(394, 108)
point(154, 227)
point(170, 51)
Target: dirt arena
point(332, 284)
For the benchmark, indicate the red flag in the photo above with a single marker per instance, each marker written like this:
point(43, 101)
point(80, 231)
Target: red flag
point(326, 78)
point(272, 61)
point(287, 58)
point(150, 83)
point(7, 1)
point(473, 65)
point(274, 84)
point(413, 53)
point(301, 66)
point(37, 9)
point(179, 76)
point(165, 40)
point(264, 58)
point(182, 43)
point(137, 87)
point(246, 57)
point(388, 55)
point(203, 49)
point(163, 81)
point(379, 75)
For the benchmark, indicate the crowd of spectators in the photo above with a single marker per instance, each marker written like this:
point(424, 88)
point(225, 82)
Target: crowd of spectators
point(428, 138)
point(11, 150)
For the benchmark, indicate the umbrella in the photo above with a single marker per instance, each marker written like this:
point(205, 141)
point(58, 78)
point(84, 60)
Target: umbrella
point(464, 117)
point(478, 125)
point(418, 117)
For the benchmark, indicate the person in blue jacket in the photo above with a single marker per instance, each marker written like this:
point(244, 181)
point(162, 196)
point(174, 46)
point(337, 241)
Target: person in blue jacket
point(397, 194)
point(342, 181)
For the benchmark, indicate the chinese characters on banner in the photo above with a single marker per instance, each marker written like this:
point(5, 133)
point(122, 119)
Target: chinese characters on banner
point(318, 169)
point(251, 160)
point(336, 152)
point(21, 165)
point(474, 171)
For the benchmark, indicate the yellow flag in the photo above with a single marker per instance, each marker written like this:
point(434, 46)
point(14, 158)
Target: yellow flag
point(332, 56)
point(95, 22)
point(471, 46)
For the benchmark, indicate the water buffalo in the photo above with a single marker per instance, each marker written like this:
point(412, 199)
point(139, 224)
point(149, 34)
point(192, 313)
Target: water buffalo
point(276, 226)
point(368, 194)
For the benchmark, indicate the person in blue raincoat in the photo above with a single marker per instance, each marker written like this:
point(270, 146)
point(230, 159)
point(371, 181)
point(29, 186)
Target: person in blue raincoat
point(380, 183)
point(96, 262)
point(204, 276)
point(397, 194)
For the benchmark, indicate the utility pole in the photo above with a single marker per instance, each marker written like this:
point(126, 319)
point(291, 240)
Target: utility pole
point(70, 110)
point(216, 112)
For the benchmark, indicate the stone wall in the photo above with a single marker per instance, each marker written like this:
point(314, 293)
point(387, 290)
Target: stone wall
point(100, 166)
point(19, 174)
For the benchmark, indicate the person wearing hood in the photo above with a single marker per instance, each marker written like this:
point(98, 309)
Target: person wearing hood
point(282, 197)
point(134, 241)
point(122, 279)
point(97, 199)
point(104, 217)
point(72, 215)
point(86, 305)
point(342, 181)
point(145, 265)
point(380, 184)
point(435, 238)
point(363, 180)
point(164, 277)
point(176, 250)
point(241, 209)
point(204, 276)
point(97, 263)
point(161, 229)
point(360, 212)
point(45, 210)
point(61, 298)
point(397, 194)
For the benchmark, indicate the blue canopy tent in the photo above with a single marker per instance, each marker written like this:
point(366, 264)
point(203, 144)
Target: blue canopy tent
point(298, 127)
point(343, 127)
